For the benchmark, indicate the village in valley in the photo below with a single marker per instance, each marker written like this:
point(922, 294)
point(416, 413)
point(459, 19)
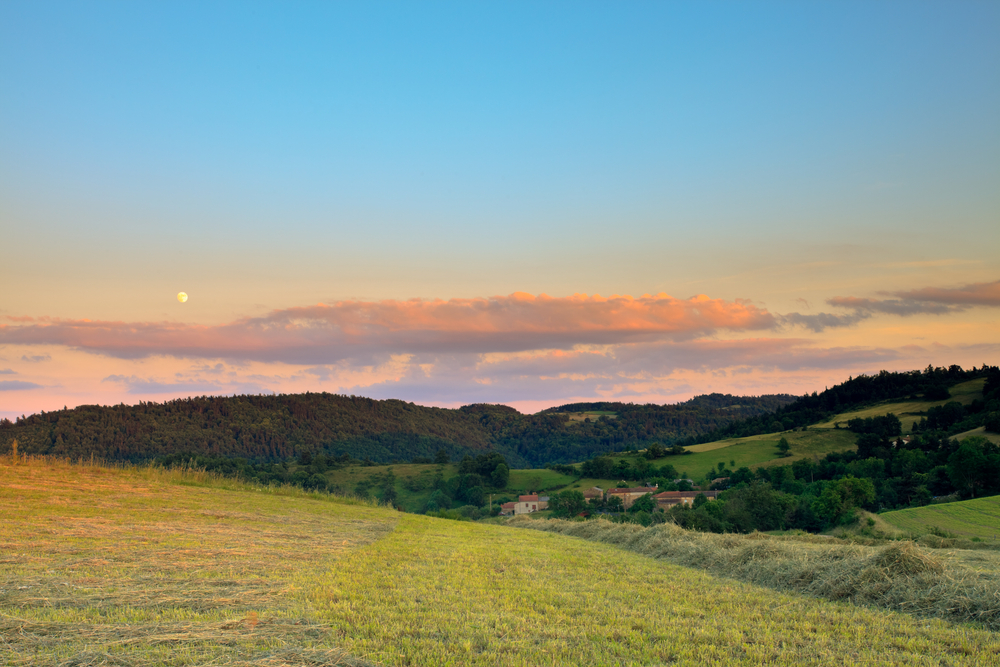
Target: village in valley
point(617, 498)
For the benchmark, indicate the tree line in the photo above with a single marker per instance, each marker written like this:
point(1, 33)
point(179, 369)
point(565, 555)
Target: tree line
point(276, 428)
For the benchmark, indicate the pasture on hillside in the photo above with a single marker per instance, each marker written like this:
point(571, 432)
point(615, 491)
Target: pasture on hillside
point(911, 411)
point(142, 566)
point(758, 450)
point(976, 518)
point(752, 452)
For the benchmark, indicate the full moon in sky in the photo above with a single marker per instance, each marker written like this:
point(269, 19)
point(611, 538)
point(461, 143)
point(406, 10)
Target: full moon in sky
point(182, 296)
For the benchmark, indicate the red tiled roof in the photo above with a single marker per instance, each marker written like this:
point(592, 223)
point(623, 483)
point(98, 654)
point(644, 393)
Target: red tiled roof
point(528, 499)
point(636, 489)
point(685, 494)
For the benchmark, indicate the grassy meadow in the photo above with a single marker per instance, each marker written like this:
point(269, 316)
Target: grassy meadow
point(911, 411)
point(976, 518)
point(147, 567)
point(760, 450)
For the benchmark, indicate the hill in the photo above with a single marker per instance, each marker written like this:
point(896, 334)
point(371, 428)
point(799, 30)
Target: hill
point(414, 484)
point(977, 518)
point(146, 566)
point(273, 428)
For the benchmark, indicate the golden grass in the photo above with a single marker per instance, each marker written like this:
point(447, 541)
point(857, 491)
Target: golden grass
point(438, 593)
point(957, 586)
point(115, 566)
point(139, 567)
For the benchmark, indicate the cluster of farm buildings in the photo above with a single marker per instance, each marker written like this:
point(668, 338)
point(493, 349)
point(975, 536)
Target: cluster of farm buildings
point(664, 500)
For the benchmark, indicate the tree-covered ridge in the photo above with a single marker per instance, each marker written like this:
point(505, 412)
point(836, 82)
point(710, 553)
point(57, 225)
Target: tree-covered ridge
point(279, 427)
point(931, 383)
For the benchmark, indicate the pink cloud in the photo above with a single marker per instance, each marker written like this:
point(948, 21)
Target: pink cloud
point(353, 329)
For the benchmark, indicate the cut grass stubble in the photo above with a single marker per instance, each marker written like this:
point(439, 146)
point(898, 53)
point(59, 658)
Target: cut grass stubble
point(899, 576)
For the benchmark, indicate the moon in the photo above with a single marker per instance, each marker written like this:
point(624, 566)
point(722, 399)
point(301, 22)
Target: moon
point(182, 296)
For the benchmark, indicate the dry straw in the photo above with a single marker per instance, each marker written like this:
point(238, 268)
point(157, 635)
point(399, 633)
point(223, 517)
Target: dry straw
point(900, 576)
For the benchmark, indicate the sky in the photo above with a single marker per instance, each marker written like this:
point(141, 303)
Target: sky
point(507, 202)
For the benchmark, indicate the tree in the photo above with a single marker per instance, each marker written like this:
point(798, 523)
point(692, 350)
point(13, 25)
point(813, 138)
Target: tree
point(756, 506)
point(467, 465)
point(438, 500)
point(389, 495)
point(614, 504)
point(655, 451)
point(476, 496)
point(992, 422)
point(568, 503)
point(975, 466)
point(500, 476)
point(871, 445)
point(441, 458)
point(783, 447)
point(838, 499)
point(644, 503)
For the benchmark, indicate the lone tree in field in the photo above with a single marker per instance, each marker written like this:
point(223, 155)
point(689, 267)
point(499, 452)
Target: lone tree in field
point(783, 447)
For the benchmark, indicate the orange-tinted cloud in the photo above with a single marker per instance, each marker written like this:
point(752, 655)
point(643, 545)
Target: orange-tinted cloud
point(351, 329)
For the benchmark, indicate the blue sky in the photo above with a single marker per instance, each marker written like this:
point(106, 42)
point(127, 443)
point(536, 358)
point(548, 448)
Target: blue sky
point(266, 156)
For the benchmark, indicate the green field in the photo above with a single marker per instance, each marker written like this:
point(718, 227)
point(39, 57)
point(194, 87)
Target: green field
point(761, 450)
point(911, 411)
point(979, 517)
point(592, 415)
point(981, 432)
point(145, 567)
point(753, 452)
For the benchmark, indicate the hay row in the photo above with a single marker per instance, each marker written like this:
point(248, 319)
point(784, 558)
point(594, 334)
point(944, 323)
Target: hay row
point(900, 576)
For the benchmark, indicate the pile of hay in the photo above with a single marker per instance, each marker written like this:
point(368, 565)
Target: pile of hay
point(899, 576)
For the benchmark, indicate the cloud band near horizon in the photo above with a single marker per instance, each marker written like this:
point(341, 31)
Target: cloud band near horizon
point(369, 330)
point(357, 329)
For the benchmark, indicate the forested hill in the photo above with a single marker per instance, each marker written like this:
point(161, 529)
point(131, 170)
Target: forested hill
point(275, 427)
point(930, 384)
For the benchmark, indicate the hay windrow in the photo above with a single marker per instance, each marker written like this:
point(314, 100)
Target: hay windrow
point(900, 576)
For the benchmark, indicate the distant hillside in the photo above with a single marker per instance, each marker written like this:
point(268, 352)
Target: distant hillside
point(931, 384)
point(270, 428)
point(976, 518)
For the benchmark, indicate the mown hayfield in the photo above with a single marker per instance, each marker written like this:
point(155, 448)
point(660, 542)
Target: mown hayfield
point(139, 567)
point(979, 517)
point(143, 567)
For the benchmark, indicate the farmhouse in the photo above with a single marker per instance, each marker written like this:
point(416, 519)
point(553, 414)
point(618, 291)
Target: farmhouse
point(630, 495)
point(507, 509)
point(668, 499)
point(593, 493)
point(530, 503)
